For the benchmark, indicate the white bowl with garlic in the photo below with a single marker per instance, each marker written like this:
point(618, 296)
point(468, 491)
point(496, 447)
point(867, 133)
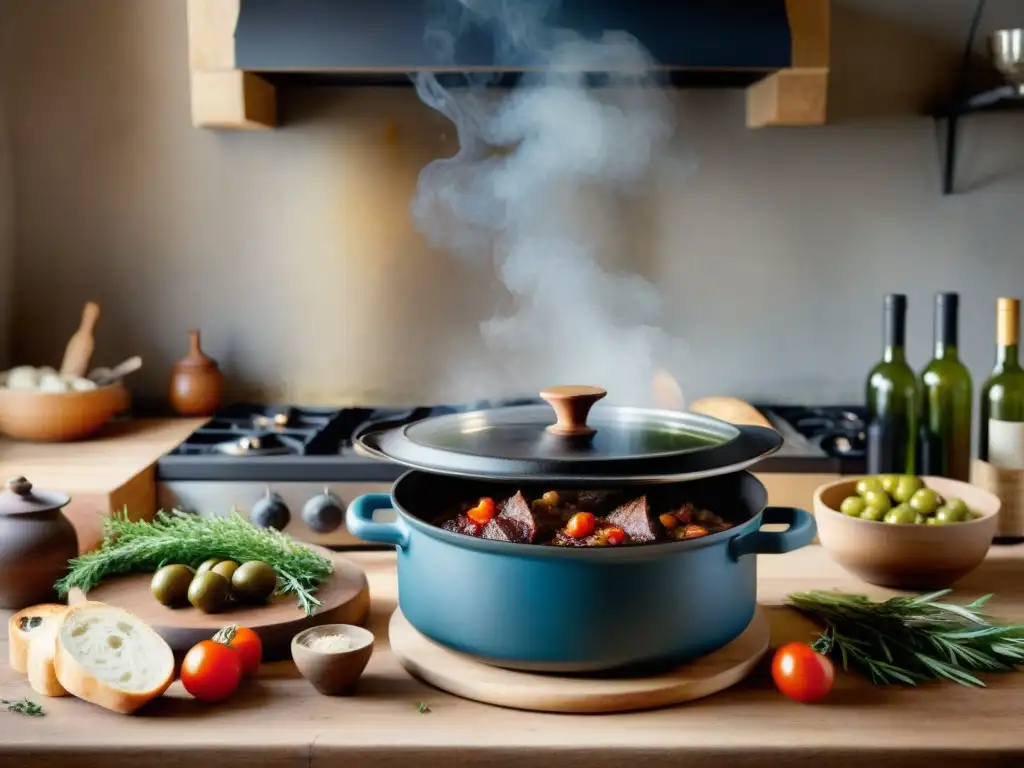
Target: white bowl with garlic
point(38, 404)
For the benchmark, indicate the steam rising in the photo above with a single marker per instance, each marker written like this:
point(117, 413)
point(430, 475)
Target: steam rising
point(548, 207)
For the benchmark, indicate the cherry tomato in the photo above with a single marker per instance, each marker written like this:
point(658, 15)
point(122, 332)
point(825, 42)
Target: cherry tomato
point(801, 673)
point(482, 512)
point(211, 671)
point(580, 525)
point(246, 644)
point(615, 536)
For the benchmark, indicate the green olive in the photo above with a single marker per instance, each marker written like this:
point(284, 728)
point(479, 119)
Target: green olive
point(170, 584)
point(948, 514)
point(889, 483)
point(207, 565)
point(878, 500)
point(209, 592)
point(960, 507)
point(920, 519)
point(901, 515)
point(253, 582)
point(906, 487)
point(873, 513)
point(853, 506)
point(866, 484)
point(225, 568)
point(933, 520)
point(925, 501)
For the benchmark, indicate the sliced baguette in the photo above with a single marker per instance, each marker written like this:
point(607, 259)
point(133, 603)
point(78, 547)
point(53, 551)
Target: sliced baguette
point(111, 658)
point(20, 631)
point(41, 674)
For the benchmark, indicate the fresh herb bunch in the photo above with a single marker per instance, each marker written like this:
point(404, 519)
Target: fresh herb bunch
point(911, 640)
point(23, 707)
point(176, 537)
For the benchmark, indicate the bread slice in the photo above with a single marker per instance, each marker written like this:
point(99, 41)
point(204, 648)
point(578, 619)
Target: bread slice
point(26, 625)
point(41, 674)
point(111, 658)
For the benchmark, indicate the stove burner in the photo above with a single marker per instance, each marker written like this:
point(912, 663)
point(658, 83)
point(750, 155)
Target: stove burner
point(277, 421)
point(839, 431)
point(259, 445)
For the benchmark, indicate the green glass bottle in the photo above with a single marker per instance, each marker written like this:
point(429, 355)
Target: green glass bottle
point(1001, 427)
point(892, 397)
point(945, 444)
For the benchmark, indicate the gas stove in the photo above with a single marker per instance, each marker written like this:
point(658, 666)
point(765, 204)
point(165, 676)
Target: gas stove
point(304, 461)
point(301, 458)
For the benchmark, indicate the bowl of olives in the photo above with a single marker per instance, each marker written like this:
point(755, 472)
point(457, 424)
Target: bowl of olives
point(906, 531)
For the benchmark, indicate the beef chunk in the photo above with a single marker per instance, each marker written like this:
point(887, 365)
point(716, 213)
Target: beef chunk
point(515, 522)
point(634, 517)
point(463, 525)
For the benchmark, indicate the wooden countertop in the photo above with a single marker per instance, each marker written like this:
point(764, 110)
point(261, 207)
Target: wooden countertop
point(101, 464)
point(277, 720)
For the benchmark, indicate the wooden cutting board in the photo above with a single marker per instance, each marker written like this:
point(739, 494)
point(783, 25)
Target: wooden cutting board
point(465, 676)
point(345, 597)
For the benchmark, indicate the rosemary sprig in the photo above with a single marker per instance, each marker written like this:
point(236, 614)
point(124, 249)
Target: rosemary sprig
point(23, 707)
point(911, 640)
point(176, 537)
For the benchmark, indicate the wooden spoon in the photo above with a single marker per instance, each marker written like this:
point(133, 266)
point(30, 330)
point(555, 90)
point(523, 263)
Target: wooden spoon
point(80, 347)
point(105, 376)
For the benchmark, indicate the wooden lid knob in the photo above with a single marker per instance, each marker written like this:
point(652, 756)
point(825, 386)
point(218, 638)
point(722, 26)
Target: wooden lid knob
point(571, 404)
point(19, 486)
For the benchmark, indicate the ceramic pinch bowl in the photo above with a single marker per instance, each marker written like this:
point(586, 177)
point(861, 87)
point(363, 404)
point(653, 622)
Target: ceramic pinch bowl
point(332, 671)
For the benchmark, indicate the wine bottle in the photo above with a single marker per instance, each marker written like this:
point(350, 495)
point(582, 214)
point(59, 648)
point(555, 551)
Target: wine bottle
point(1001, 428)
point(892, 397)
point(945, 445)
point(1001, 422)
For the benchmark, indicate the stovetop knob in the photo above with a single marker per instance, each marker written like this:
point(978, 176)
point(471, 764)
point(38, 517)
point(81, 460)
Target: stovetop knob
point(270, 512)
point(323, 513)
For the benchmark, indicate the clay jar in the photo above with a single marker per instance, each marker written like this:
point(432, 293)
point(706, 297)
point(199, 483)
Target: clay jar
point(36, 542)
point(196, 382)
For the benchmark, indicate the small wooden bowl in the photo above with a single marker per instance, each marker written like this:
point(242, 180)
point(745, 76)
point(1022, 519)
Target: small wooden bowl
point(907, 556)
point(333, 673)
point(56, 417)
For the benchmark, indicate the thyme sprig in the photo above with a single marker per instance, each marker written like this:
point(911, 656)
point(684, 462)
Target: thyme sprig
point(911, 640)
point(23, 707)
point(176, 537)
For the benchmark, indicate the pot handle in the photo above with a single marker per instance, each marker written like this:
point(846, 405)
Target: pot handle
point(360, 523)
point(801, 532)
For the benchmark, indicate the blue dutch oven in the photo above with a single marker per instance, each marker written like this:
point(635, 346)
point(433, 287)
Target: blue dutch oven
point(556, 609)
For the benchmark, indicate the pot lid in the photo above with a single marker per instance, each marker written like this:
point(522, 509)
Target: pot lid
point(21, 498)
point(579, 441)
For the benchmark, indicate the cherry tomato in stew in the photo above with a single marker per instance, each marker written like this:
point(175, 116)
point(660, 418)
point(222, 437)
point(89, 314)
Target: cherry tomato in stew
point(245, 643)
point(211, 671)
point(615, 536)
point(482, 512)
point(580, 525)
point(801, 673)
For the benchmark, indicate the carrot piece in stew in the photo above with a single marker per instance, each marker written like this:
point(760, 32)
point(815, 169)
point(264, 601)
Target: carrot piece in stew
point(482, 513)
point(668, 520)
point(580, 525)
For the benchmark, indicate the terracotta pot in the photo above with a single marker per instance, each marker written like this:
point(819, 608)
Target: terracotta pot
point(36, 542)
point(197, 384)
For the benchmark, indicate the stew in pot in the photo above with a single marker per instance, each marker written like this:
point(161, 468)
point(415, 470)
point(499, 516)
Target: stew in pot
point(579, 519)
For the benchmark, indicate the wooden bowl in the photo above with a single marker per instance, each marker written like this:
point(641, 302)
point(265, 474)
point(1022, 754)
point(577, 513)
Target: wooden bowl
point(55, 417)
point(907, 556)
point(333, 673)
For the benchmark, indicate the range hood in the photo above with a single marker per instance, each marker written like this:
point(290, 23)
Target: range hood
point(241, 51)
